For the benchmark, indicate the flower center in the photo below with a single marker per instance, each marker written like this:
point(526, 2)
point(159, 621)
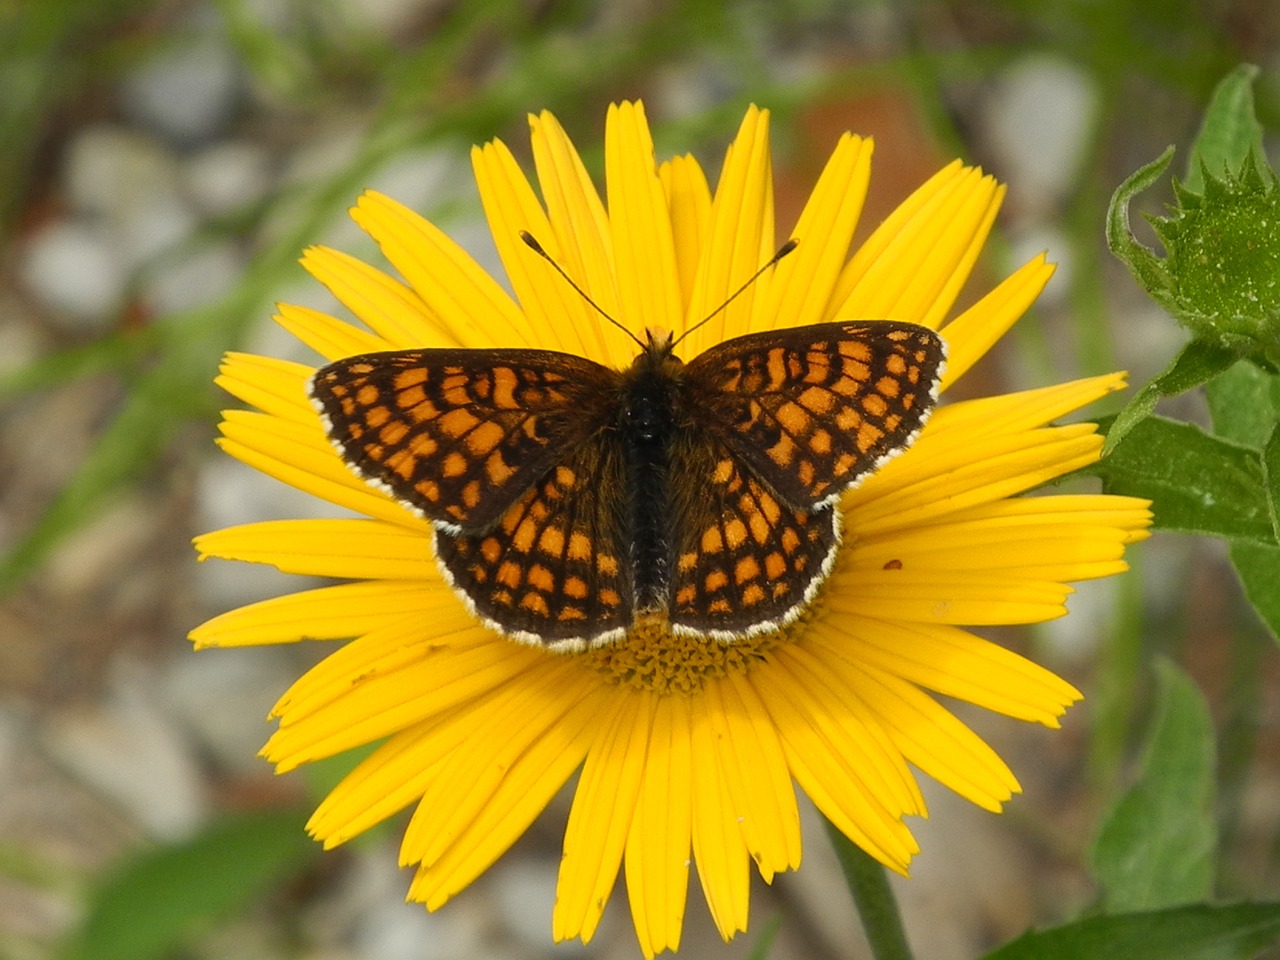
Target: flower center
point(651, 657)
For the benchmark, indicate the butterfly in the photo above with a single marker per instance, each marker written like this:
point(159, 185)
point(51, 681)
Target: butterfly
point(570, 499)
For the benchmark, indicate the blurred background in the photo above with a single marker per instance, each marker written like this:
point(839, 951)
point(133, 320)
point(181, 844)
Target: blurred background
point(162, 165)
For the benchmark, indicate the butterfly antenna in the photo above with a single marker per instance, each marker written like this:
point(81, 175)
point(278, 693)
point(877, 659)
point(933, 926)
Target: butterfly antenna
point(783, 250)
point(532, 243)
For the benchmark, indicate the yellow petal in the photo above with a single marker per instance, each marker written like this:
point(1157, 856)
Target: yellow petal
point(461, 296)
point(800, 287)
point(657, 854)
point(326, 335)
point(277, 387)
point(740, 239)
point(600, 819)
point(689, 204)
point(648, 284)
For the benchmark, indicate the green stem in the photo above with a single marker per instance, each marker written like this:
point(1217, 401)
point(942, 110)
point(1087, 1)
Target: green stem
point(873, 897)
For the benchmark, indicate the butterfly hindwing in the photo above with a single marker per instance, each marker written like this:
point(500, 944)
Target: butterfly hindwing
point(555, 568)
point(459, 435)
point(812, 410)
point(744, 561)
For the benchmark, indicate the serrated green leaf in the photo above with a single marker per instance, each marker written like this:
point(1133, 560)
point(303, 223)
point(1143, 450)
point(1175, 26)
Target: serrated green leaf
point(1199, 484)
point(1258, 568)
point(1230, 132)
point(1198, 363)
point(165, 897)
point(1203, 932)
point(1158, 846)
point(1145, 266)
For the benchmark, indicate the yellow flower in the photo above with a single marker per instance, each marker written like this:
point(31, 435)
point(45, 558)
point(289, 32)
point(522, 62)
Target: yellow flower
point(689, 749)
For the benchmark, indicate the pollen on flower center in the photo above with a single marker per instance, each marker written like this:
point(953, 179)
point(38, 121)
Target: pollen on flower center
point(651, 657)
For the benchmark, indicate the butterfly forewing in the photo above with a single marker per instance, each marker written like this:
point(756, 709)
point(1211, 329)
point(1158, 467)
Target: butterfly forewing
point(459, 435)
point(812, 410)
point(744, 560)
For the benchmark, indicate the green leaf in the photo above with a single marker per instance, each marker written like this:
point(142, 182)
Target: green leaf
point(1243, 404)
point(167, 896)
point(1145, 266)
point(1230, 132)
point(1203, 932)
point(1198, 363)
point(1158, 846)
point(1199, 484)
point(1258, 567)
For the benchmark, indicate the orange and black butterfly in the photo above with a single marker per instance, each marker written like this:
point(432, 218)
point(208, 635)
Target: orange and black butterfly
point(570, 498)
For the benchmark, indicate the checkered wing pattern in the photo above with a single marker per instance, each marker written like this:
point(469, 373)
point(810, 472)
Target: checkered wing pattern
point(553, 569)
point(744, 560)
point(459, 435)
point(812, 410)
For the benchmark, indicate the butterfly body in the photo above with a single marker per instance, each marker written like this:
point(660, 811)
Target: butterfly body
point(571, 499)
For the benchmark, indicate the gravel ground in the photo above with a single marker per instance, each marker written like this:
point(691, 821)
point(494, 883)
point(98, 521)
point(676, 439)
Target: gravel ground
point(114, 735)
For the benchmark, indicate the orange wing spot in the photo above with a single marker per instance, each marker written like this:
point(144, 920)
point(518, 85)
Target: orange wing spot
point(805, 471)
point(776, 366)
point(685, 596)
point(735, 533)
point(502, 598)
point(848, 420)
point(687, 561)
point(780, 590)
point(714, 581)
point(868, 437)
point(895, 364)
point(609, 597)
point(817, 400)
point(484, 438)
point(504, 388)
point(752, 595)
point(402, 464)
point(608, 565)
point(525, 536)
point(496, 469)
point(790, 541)
point(712, 540)
point(510, 574)
point(565, 477)
point(392, 433)
point(491, 549)
point(429, 489)
point(375, 417)
point(746, 570)
point(820, 442)
point(784, 451)
point(410, 377)
point(855, 350)
point(843, 464)
point(875, 405)
point(759, 528)
point(424, 410)
point(551, 542)
point(579, 546)
point(575, 587)
point(768, 506)
point(367, 396)
point(720, 605)
point(535, 603)
point(793, 418)
point(455, 465)
point(458, 421)
point(423, 446)
point(540, 578)
point(571, 613)
point(471, 494)
point(775, 565)
point(724, 471)
point(889, 386)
